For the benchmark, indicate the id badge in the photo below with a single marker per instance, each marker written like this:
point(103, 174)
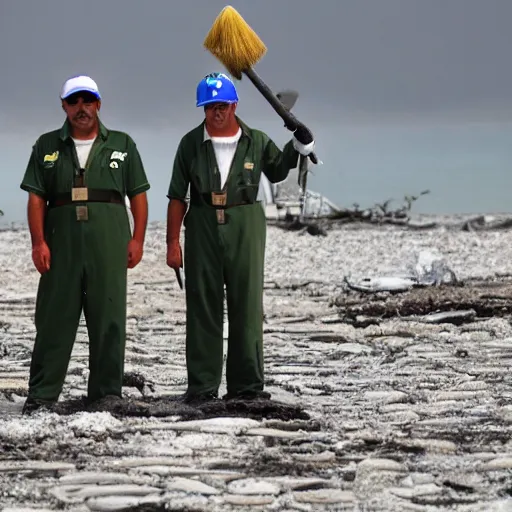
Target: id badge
point(221, 218)
point(79, 194)
point(219, 199)
point(82, 213)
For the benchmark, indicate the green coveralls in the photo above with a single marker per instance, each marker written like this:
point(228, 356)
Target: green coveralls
point(88, 267)
point(231, 254)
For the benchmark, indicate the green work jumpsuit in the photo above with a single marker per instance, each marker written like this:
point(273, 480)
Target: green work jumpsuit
point(88, 267)
point(230, 253)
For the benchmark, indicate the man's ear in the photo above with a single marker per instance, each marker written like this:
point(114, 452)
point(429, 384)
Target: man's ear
point(99, 105)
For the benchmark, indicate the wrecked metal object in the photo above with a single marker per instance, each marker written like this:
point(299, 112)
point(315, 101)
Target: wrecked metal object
point(430, 269)
point(382, 284)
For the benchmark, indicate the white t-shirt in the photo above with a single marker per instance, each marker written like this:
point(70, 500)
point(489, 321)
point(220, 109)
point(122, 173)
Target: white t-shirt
point(225, 148)
point(83, 148)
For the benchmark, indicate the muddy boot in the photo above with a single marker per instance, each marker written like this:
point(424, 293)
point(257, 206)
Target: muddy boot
point(32, 405)
point(248, 395)
point(199, 398)
point(107, 403)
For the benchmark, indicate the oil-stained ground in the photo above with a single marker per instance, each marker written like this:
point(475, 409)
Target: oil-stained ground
point(379, 402)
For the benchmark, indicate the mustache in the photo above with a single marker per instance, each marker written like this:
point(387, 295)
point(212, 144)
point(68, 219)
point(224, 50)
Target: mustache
point(82, 115)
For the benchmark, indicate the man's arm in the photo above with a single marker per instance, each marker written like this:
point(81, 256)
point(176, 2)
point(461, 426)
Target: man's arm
point(178, 188)
point(36, 212)
point(176, 210)
point(177, 206)
point(139, 207)
point(136, 186)
point(136, 181)
point(277, 164)
point(33, 182)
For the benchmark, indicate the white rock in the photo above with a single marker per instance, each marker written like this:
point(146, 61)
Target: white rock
point(385, 397)
point(324, 496)
point(290, 483)
point(273, 432)
point(244, 499)
point(72, 493)
point(34, 465)
point(375, 464)
point(191, 486)
point(213, 425)
point(94, 477)
point(498, 464)
point(111, 503)
point(325, 456)
point(253, 486)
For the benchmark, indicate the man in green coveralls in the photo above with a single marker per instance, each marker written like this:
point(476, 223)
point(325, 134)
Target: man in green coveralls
point(220, 163)
point(77, 178)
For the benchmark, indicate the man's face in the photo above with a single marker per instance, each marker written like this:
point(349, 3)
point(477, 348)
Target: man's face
point(219, 115)
point(82, 110)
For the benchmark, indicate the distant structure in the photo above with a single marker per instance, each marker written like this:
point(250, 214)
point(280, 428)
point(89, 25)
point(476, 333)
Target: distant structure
point(283, 199)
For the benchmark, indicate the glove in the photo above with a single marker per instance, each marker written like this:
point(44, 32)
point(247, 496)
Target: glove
point(303, 135)
point(303, 140)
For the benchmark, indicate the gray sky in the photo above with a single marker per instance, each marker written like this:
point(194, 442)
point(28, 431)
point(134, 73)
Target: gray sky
point(401, 94)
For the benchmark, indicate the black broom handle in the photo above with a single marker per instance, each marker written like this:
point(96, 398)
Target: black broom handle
point(290, 120)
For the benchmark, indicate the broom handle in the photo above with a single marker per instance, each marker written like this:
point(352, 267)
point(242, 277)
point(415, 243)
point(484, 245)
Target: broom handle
point(290, 120)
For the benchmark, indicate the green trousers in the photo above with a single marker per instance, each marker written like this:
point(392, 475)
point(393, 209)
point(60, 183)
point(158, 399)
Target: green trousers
point(88, 271)
point(230, 254)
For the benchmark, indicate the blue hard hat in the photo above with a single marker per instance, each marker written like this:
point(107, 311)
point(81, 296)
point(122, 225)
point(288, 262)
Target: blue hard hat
point(216, 88)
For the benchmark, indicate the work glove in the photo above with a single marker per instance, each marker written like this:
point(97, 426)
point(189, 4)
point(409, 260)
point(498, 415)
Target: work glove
point(303, 140)
point(303, 135)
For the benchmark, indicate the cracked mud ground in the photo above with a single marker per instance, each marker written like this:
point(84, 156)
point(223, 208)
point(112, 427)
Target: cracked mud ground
point(374, 406)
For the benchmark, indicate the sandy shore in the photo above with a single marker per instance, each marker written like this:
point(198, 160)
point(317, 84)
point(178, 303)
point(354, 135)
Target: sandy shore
point(400, 415)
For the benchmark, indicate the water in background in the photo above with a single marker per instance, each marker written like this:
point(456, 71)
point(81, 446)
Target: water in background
point(466, 166)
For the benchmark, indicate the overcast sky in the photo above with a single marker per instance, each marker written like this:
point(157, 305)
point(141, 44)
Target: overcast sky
point(401, 94)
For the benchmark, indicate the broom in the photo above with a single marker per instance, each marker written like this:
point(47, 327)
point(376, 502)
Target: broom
point(232, 41)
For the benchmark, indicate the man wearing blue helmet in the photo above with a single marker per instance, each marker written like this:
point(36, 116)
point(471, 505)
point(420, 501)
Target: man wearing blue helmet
point(220, 162)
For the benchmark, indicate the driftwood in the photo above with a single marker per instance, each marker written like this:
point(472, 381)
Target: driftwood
point(483, 299)
point(480, 223)
point(379, 214)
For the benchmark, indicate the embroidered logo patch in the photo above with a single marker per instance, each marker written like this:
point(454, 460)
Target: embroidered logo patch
point(249, 165)
point(118, 155)
point(50, 159)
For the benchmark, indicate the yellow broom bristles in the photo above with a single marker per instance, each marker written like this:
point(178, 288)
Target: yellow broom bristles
point(234, 42)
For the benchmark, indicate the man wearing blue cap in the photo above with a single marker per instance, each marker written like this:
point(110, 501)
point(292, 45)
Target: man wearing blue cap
point(220, 162)
point(77, 179)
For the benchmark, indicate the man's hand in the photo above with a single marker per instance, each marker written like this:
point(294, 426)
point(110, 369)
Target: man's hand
point(41, 257)
point(174, 255)
point(135, 250)
point(303, 135)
